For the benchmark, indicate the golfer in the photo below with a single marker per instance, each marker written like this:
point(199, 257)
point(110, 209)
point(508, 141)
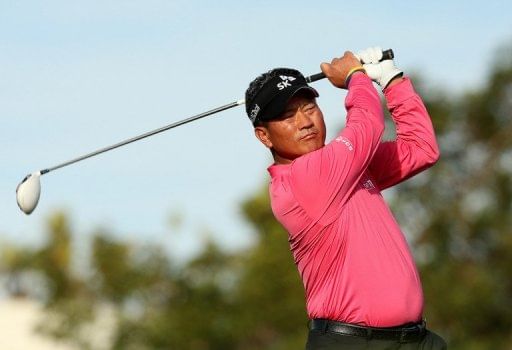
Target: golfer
point(362, 287)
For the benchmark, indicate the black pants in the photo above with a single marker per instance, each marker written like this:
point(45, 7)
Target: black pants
point(318, 340)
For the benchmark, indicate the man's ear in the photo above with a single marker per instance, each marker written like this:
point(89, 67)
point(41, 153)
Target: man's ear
point(262, 134)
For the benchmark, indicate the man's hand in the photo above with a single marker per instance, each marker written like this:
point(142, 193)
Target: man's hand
point(380, 72)
point(340, 69)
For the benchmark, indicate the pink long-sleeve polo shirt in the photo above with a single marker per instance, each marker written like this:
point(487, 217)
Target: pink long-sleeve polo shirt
point(354, 261)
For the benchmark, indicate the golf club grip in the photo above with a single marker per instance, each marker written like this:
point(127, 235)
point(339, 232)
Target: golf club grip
point(386, 55)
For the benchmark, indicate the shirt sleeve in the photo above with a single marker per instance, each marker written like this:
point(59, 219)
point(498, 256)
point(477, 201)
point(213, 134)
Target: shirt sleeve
point(415, 147)
point(323, 180)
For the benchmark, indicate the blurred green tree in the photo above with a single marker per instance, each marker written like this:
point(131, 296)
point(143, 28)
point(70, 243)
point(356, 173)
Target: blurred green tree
point(16, 264)
point(269, 294)
point(189, 308)
point(54, 260)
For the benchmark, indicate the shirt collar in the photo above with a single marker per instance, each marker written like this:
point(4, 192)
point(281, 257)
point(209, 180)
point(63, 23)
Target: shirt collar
point(278, 169)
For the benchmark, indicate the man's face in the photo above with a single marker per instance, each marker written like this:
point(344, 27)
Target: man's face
point(299, 130)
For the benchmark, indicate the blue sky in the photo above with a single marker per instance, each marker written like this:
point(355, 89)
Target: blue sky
point(79, 75)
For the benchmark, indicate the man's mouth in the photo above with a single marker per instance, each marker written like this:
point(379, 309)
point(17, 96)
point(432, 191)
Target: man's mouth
point(308, 136)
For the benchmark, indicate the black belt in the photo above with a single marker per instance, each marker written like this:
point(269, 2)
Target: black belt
point(403, 334)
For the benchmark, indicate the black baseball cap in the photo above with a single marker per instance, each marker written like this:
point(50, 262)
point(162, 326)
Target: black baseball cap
point(280, 85)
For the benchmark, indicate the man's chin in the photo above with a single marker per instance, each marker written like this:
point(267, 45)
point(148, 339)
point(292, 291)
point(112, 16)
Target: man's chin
point(311, 147)
point(314, 144)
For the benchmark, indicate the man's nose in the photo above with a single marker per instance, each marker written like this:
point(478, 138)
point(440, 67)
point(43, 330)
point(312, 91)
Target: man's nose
point(303, 120)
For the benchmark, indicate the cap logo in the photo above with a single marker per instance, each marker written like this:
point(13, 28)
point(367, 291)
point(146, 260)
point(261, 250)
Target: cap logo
point(285, 82)
point(254, 113)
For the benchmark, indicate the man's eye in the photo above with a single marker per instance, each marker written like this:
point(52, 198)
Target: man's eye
point(309, 107)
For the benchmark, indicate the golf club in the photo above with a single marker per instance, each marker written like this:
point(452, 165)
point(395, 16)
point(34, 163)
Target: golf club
point(29, 189)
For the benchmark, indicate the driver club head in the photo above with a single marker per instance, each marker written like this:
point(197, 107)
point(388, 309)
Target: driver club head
point(28, 192)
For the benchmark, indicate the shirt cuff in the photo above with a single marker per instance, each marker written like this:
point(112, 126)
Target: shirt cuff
point(359, 79)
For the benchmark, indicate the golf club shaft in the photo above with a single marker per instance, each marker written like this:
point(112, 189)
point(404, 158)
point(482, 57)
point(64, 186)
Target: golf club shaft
point(143, 136)
point(387, 54)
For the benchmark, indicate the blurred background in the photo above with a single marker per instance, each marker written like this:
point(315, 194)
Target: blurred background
point(170, 243)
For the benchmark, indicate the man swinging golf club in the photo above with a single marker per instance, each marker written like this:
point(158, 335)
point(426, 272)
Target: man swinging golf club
point(362, 287)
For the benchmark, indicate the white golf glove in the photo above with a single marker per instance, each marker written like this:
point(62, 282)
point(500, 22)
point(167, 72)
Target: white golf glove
point(380, 72)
